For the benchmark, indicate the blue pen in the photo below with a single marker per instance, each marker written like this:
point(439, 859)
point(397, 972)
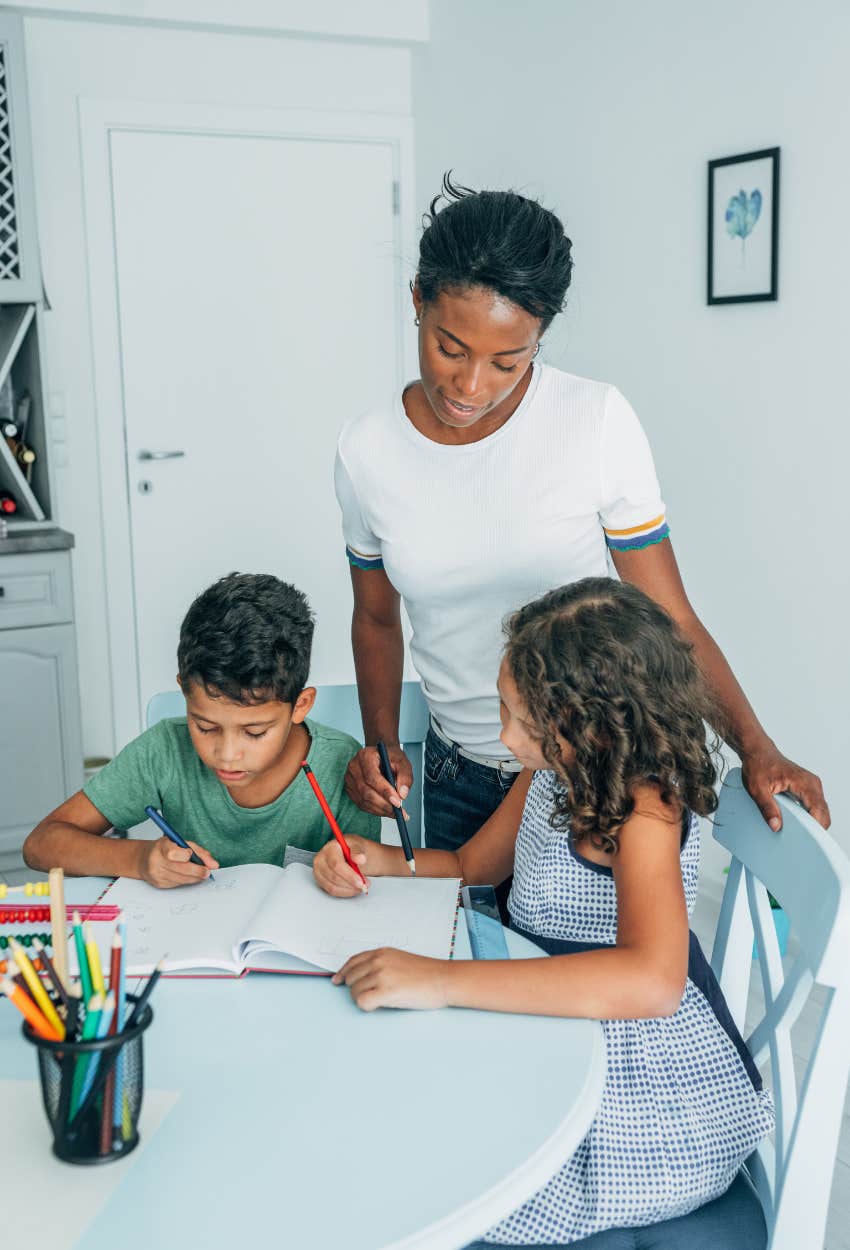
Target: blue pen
point(164, 827)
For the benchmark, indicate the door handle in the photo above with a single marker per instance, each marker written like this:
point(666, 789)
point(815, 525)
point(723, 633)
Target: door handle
point(159, 455)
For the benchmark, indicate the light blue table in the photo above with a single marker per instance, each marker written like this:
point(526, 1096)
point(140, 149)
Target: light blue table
point(304, 1123)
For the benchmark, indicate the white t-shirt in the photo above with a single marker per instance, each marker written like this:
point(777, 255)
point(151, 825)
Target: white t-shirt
point(468, 534)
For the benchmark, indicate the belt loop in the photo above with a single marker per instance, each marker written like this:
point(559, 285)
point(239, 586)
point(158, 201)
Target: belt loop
point(455, 761)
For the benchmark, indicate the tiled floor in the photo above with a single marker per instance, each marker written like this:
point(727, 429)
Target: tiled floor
point(703, 922)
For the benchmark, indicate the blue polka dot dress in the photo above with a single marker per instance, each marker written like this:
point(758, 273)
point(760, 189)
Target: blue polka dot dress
point(683, 1104)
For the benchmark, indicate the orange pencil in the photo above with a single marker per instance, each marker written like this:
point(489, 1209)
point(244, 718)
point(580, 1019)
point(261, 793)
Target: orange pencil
point(28, 1010)
point(329, 816)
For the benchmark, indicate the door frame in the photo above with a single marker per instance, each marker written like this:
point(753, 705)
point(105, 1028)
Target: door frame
point(99, 119)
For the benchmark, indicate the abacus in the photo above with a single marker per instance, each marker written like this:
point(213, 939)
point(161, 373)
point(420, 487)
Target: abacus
point(41, 889)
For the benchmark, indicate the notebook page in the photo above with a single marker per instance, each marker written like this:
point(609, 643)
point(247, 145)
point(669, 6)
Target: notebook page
point(415, 914)
point(196, 926)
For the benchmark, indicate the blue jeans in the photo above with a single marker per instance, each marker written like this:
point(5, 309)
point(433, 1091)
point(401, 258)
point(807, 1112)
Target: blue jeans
point(459, 796)
point(734, 1221)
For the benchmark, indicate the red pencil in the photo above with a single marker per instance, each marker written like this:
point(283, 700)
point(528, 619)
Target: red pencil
point(337, 832)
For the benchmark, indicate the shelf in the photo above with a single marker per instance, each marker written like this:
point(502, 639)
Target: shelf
point(15, 320)
point(20, 366)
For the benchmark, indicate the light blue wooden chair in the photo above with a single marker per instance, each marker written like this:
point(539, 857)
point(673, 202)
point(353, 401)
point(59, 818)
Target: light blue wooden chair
point(339, 707)
point(805, 870)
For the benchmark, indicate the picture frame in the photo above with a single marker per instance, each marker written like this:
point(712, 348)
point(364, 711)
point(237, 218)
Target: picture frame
point(743, 227)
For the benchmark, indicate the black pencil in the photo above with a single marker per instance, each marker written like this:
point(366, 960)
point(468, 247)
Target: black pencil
point(136, 1013)
point(47, 964)
point(398, 812)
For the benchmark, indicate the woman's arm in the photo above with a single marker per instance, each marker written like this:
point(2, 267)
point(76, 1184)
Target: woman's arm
point(643, 975)
point(378, 646)
point(766, 770)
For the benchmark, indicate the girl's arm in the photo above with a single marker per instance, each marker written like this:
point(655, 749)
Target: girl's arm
point(643, 975)
point(486, 859)
point(378, 646)
point(766, 770)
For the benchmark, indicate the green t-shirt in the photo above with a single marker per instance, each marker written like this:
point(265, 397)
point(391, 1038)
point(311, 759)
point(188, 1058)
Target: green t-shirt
point(162, 769)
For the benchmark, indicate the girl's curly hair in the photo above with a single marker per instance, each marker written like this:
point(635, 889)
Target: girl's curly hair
point(601, 665)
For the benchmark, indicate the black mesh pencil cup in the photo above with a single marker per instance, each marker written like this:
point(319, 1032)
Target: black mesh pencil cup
point(92, 1091)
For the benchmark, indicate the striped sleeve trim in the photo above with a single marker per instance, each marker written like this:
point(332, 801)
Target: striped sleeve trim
point(362, 561)
point(638, 536)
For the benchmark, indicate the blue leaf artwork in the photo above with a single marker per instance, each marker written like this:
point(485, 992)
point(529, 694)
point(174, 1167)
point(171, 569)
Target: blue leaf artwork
point(742, 213)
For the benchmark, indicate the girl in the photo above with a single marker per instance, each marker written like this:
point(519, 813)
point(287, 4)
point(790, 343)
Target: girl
point(602, 703)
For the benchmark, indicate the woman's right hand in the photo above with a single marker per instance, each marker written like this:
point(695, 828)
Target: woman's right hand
point(365, 785)
point(335, 876)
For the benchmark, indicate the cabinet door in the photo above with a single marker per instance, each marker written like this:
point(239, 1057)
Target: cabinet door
point(40, 748)
point(20, 276)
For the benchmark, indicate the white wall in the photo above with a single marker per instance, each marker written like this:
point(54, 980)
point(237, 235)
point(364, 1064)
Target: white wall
point(70, 59)
point(609, 112)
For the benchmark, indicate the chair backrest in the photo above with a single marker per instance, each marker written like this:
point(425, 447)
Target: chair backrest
point(339, 707)
point(804, 869)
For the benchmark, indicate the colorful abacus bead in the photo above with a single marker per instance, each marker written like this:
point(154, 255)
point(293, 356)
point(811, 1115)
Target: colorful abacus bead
point(39, 889)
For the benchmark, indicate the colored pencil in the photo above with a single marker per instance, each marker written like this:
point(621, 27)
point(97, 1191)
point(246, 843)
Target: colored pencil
point(165, 828)
point(329, 816)
point(36, 989)
point(59, 923)
point(398, 812)
point(82, 958)
point(120, 1010)
point(75, 998)
point(103, 1022)
point(135, 1014)
point(50, 968)
point(28, 1010)
point(94, 1005)
point(97, 982)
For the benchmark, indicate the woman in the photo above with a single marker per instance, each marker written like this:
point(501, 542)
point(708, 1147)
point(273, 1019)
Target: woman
point(491, 479)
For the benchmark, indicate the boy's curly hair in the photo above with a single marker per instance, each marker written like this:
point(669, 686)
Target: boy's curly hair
point(601, 665)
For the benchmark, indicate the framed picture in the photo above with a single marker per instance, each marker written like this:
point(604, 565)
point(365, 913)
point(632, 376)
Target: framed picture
point(743, 227)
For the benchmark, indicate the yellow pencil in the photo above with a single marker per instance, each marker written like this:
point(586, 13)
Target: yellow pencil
point(39, 993)
point(59, 924)
point(97, 982)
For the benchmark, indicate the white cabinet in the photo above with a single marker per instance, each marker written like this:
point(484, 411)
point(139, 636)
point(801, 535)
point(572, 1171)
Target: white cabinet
point(40, 744)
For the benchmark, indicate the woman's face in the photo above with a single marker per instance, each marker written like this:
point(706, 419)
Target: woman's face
point(475, 348)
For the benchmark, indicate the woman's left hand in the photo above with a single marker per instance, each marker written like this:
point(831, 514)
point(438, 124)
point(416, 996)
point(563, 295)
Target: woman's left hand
point(767, 772)
point(391, 978)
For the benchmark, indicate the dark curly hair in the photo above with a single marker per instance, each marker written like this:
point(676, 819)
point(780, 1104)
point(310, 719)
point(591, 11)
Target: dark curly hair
point(247, 637)
point(499, 240)
point(601, 665)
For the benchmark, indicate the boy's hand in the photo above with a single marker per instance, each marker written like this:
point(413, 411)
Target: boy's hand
point(391, 978)
point(165, 865)
point(335, 876)
point(365, 785)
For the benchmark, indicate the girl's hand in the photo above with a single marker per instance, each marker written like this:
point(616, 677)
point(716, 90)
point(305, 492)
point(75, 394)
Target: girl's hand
point(165, 865)
point(766, 772)
point(391, 978)
point(335, 876)
point(365, 785)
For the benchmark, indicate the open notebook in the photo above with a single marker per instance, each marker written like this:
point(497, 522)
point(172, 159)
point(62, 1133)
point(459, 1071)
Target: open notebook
point(260, 918)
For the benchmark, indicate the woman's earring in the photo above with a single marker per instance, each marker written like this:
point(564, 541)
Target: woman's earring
point(536, 350)
point(416, 321)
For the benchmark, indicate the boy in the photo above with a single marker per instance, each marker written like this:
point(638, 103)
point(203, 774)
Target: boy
point(228, 773)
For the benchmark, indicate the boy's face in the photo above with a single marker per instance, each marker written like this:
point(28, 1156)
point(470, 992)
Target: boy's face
point(240, 742)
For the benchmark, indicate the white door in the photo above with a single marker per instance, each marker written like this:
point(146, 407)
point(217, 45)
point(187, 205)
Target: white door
point(258, 281)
